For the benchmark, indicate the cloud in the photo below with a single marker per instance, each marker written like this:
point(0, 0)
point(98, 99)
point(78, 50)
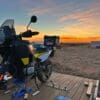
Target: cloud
point(44, 7)
point(87, 22)
point(90, 15)
point(84, 16)
point(36, 7)
point(75, 17)
point(81, 30)
point(38, 11)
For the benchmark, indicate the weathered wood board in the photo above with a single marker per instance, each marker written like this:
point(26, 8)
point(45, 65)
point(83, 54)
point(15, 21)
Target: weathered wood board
point(75, 88)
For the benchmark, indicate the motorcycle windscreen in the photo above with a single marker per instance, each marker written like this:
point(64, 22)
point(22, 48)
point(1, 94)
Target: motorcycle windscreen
point(5, 34)
point(7, 30)
point(8, 22)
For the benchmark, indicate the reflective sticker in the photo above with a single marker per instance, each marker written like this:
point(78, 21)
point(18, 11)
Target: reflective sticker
point(25, 61)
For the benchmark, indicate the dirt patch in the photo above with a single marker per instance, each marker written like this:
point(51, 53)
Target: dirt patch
point(81, 60)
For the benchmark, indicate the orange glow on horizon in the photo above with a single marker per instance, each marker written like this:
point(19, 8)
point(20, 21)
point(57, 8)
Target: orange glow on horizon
point(67, 39)
point(83, 37)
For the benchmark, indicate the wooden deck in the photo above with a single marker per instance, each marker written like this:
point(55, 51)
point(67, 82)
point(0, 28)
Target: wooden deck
point(55, 86)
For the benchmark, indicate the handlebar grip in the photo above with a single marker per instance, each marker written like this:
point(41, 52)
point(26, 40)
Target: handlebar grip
point(29, 33)
point(35, 33)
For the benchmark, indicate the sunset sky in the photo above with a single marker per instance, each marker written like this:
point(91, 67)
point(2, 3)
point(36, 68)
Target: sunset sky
point(72, 20)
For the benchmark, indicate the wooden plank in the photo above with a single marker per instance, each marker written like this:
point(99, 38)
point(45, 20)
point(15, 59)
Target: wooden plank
point(64, 93)
point(66, 85)
point(53, 76)
point(97, 98)
point(89, 90)
point(74, 83)
point(96, 89)
point(79, 92)
point(70, 86)
point(61, 83)
point(54, 92)
point(66, 80)
point(71, 83)
point(84, 96)
point(76, 87)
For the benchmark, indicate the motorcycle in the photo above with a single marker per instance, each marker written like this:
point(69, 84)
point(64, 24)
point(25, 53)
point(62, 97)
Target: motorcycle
point(18, 58)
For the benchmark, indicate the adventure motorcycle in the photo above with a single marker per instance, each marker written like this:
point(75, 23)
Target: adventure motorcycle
point(17, 57)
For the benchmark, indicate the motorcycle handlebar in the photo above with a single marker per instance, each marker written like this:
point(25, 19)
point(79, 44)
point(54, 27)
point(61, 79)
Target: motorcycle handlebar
point(28, 33)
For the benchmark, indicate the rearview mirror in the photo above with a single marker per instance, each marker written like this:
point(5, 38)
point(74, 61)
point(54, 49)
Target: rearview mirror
point(33, 19)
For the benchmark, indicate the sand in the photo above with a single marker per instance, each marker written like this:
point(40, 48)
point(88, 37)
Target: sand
point(81, 60)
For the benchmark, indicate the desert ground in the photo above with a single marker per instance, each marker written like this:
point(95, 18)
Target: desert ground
point(81, 60)
point(77, 59)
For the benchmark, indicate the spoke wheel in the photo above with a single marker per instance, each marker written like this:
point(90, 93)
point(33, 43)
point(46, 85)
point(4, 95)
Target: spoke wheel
point(45, 72)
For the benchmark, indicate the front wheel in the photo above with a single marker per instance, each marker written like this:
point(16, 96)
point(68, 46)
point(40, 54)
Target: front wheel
point(45, 71)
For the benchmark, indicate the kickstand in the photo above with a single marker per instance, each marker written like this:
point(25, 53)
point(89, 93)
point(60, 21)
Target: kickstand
point(36, 83)
point(36, 92)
